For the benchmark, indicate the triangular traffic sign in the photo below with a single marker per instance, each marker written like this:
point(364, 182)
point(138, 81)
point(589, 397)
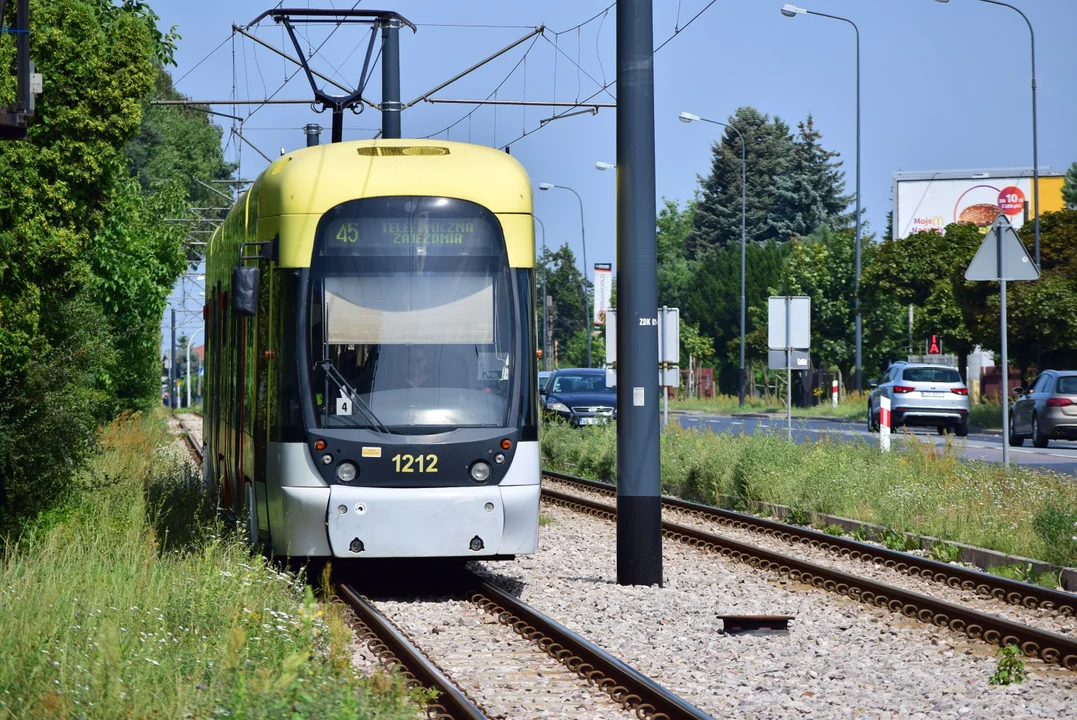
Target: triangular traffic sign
point(1017, 263)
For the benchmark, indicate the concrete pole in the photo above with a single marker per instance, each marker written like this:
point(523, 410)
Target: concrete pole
point(172, 367)
point(639, 509)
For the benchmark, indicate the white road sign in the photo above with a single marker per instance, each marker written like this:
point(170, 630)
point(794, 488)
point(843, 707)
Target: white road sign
point(798, 326)
point(1016, 260)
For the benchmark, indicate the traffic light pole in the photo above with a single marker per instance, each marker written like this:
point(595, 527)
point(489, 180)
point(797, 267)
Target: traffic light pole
point(639, 509)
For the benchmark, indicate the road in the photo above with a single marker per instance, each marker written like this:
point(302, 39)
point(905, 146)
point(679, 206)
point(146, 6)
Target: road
point(1059, 456)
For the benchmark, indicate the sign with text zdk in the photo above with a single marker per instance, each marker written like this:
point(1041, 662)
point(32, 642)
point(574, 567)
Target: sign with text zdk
point(603, 291)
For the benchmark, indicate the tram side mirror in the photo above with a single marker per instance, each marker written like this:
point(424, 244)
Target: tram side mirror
point(245, 282)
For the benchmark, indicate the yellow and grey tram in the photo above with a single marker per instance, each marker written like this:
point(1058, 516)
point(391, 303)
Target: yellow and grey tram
point(370, 354)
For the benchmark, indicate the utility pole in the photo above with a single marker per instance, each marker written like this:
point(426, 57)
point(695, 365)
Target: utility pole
point(390, 78)
point(639, 509)
point(172, 367)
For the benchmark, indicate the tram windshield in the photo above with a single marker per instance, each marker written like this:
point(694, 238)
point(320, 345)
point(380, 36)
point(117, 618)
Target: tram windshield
point(411, 316)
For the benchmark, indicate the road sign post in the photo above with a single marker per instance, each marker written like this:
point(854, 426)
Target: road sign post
point(1002, 257)
point(789, 330)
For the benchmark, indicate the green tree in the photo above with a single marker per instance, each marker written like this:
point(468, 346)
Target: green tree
point(566, 285)
point(713, 300)
point(85, 260)
point(718, 213)
point(1041, 315)
point(918, 270)
point(1069, 187)
point(822, 266)
point(808, 194)
point(177, 144)
point(675, 270)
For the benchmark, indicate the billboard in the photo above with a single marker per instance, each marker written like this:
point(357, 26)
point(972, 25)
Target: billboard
point(929, 201)
point(603, 291)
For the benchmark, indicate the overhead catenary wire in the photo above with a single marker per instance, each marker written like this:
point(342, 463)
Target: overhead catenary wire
point(566, 113)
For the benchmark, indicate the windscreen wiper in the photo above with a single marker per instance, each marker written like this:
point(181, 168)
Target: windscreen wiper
point(331, 371)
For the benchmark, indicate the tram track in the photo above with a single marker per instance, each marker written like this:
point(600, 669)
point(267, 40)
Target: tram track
point(509, 660)
point(584, 665)
point(1049, 646)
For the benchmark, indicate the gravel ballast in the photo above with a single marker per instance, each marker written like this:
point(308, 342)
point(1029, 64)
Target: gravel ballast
point(1043, 619)
point(840, 659)
point(506, 675)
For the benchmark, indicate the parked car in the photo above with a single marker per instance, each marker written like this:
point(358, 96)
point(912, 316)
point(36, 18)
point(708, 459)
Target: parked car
point(922, 394)
point(543, 376)
point(580, 396)
point(1045, 411)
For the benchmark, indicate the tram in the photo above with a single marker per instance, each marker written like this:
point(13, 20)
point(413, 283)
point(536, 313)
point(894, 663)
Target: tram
point(370, 355)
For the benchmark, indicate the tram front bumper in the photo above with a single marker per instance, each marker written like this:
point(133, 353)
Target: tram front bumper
point(472, 522)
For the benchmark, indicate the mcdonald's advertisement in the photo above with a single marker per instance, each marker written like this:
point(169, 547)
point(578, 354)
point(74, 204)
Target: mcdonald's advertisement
point(930, 204)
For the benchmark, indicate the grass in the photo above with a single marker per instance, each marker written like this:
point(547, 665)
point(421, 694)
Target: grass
point(988, 414)
point(132, 601)
point(852, 406)
point(922, 488)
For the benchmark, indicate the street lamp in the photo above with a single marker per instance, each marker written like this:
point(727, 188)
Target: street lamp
point(545, 349)
point(583, 237)
point(789, 10)
point(1035, 150)
point(688, 118)
point(604, 166)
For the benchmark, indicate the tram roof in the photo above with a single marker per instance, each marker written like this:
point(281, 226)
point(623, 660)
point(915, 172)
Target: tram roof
point(316, 179)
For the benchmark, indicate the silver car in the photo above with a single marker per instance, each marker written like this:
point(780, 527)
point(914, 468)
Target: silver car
point(922, 394)
point(1046, 411)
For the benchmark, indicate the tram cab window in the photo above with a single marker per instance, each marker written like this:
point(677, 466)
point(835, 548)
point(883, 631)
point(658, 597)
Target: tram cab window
point(411, 317)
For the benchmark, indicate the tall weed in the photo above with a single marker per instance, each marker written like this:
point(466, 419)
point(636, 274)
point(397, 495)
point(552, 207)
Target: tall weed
point(129, 605)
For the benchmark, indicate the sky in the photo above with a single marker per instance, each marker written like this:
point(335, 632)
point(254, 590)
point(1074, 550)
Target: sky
point(943, 87)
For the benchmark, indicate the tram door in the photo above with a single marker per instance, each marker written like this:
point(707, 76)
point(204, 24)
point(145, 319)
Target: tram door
point(262, 368)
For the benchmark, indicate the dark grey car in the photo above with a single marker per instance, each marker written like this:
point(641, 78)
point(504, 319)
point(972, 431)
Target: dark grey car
point(1045, 411)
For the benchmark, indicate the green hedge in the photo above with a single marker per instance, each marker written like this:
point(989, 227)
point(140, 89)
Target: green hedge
point(919, 488)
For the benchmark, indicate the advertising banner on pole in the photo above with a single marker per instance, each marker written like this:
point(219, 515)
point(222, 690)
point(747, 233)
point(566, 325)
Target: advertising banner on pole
point(603, 291)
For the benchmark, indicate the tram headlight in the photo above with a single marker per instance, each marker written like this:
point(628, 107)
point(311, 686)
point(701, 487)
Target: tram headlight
point(347, 472)
point(480, 471)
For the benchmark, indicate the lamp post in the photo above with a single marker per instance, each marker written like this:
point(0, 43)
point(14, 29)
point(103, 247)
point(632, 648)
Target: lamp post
point(792, 11)
point(545, 350)
point(604, 166)
point(688, 118)
point(583, 238)
point(189, 341)
point(1035, 149)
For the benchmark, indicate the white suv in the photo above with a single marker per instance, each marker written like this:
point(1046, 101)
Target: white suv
point(924, 395)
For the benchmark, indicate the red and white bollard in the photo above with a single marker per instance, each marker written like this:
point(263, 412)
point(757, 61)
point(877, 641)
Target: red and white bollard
point(884, 424)
point(834, 393)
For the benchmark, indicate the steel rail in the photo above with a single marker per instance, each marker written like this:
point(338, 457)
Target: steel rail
point(1049, 647)
point(626, 686)
point(392, 648)
point(1003, 589)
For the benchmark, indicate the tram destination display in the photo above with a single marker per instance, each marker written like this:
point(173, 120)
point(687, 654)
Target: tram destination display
point(408, 236)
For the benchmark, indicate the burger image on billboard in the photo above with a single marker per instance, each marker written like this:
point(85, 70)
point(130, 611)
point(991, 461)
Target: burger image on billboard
point(980, 215)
